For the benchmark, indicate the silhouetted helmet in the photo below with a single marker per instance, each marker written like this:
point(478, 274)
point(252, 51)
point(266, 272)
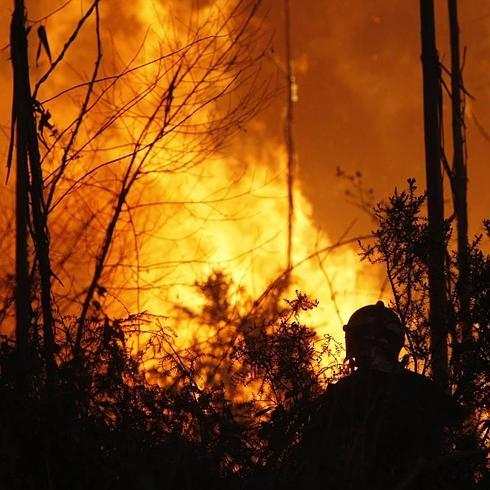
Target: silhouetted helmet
point(374, 326)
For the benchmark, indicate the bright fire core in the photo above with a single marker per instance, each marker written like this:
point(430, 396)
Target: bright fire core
point(168, 117)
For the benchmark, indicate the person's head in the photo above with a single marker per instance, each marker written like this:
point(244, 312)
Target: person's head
point(374, 337)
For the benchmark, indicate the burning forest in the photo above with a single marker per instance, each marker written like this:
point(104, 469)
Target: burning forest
point(244, 244)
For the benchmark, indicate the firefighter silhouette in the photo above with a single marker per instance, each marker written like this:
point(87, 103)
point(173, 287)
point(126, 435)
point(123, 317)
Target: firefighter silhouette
point(380, 427)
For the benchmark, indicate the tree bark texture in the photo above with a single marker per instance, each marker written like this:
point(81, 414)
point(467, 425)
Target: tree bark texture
point(435, 203)
point(459, 177)
point(29, 184)
point(289, 132)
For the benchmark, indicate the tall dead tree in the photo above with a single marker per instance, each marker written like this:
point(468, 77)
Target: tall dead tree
point(459, 176)
point(291, 156)
point(30, 206)
point(19, 133)
point(435, 202)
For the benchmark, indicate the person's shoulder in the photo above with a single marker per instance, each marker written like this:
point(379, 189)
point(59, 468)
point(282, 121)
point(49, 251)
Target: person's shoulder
point(416, 379)
point(433, 396)
point(335, 389)
point(420, 383)
point(345, 383)
point(352, 386)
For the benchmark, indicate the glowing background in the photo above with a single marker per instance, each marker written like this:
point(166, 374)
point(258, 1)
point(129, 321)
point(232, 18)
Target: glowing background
point(359, 108)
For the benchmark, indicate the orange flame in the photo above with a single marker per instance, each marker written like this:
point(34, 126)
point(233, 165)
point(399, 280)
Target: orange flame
point(189, 211)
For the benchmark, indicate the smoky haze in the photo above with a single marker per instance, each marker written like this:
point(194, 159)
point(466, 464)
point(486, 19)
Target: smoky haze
point(357, 67)
point(358, 72)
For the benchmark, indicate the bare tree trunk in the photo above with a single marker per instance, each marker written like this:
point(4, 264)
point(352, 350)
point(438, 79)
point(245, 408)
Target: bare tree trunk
point(460, 171)
point(28, 156)
point(435, 202)
point(22, 283)
point(289, 131)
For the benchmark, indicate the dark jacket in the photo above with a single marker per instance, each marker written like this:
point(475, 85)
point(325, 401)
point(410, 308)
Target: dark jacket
point(376, 430)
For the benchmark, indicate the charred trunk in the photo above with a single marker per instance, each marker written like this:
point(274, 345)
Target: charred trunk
point(435, 203)
point(459, 172)
point(29, 189)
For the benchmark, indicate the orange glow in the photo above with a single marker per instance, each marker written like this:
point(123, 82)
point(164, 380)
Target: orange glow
point(190, 212)
point(193, 210)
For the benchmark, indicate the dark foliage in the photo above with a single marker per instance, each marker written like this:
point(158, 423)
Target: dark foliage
point(229, 411)
point(401, 244)
point(104, 424)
